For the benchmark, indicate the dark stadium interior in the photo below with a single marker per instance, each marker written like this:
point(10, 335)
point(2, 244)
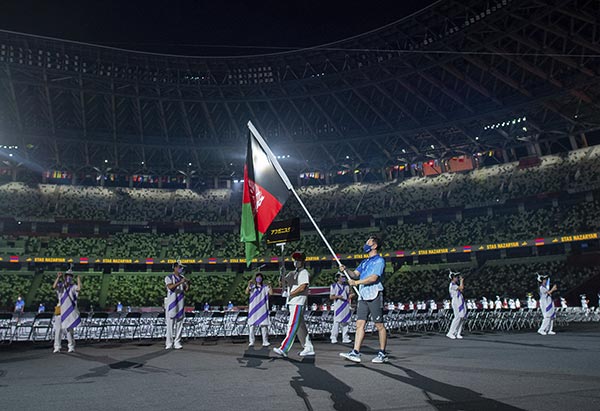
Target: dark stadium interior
point(464, 133)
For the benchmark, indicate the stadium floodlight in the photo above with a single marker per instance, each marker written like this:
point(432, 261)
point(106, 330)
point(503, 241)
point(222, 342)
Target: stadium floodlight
point(190, 164)
point(477, 138)
point(433, 147)
point(105, 161)
point(524, 128)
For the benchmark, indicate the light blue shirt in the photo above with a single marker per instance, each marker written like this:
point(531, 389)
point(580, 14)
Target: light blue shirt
point(368, 267)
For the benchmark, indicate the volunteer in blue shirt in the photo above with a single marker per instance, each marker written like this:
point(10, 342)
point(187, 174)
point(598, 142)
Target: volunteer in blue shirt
point(368, 277)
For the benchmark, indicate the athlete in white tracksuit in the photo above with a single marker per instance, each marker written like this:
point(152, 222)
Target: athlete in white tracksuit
point(546, 305)
point(458, 305)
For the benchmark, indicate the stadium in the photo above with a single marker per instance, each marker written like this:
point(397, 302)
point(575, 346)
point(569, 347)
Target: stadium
point(464, 136)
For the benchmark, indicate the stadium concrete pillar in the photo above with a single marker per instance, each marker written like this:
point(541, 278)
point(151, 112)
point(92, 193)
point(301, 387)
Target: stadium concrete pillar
point(228, 182)
point(74, 179)
point(584, 142)
point(216, 182)
point(505, 156)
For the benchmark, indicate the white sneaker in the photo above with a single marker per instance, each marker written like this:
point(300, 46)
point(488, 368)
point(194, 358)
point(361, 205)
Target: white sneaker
point(551, 333)
point(280, 352)
point(347, 342)
point(380, 358)
point(452, 337)
point(56, 350)
point(540, 332)
point(251, 344)
point(334, 341)
point(266, 343)
point(306, 352)
point(458, 336)
point(71, 349)
point(178, 346)
point(351, 356)
point(168, 347)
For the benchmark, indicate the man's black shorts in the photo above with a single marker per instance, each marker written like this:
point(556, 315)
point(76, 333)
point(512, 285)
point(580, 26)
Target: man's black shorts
point(373, 307)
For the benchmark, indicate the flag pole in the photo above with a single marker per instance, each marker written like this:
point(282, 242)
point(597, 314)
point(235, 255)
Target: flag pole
point(288, 184)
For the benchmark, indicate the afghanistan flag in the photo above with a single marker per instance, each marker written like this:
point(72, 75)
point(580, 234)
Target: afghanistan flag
point(264, 196)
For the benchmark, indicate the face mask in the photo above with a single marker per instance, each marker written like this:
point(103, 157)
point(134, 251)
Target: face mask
point(297, 264)
point(367, 248)
point(259, 280)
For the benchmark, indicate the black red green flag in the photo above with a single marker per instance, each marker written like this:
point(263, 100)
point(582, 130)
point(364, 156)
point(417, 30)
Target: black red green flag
point(264, 195)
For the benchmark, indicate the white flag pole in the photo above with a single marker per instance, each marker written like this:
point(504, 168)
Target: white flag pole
point(288, 184)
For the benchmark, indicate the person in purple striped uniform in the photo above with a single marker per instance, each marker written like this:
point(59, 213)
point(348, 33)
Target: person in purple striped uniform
point(176, 285)
point(458, 305)
point(546, 305)
point(340, 294)
point(295, 284)
point(66, 313)
point(258, 309)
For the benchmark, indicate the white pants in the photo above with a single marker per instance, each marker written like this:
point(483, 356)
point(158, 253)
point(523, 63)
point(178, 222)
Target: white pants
point(335, 330)
point(264, 329)
point(58, 333)
point(173, 327)
point(456, 326)
point(547, 325)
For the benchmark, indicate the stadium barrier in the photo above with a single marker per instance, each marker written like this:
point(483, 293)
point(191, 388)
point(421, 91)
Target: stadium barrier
point(101, 326)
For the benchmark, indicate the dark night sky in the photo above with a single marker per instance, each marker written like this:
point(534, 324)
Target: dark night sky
point(180, 26)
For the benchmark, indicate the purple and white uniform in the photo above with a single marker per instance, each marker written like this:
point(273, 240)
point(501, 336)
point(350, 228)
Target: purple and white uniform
point(258, 306)
point(174, 311)
point(258, 313)
point(459, 308)
point(341, 308)
point(69, 317)
point(341, 311)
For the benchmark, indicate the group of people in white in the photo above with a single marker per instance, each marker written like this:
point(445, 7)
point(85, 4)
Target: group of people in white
point(295, 288)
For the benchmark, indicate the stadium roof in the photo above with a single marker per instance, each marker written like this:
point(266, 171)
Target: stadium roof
point(456, 77)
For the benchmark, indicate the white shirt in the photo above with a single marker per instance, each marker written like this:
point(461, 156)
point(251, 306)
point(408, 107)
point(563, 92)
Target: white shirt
point(292, 281)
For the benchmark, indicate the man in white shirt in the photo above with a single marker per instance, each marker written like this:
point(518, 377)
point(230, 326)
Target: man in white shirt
point(295, 284)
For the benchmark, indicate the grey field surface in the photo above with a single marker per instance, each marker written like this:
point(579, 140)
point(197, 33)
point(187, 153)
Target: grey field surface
point(425, 372)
